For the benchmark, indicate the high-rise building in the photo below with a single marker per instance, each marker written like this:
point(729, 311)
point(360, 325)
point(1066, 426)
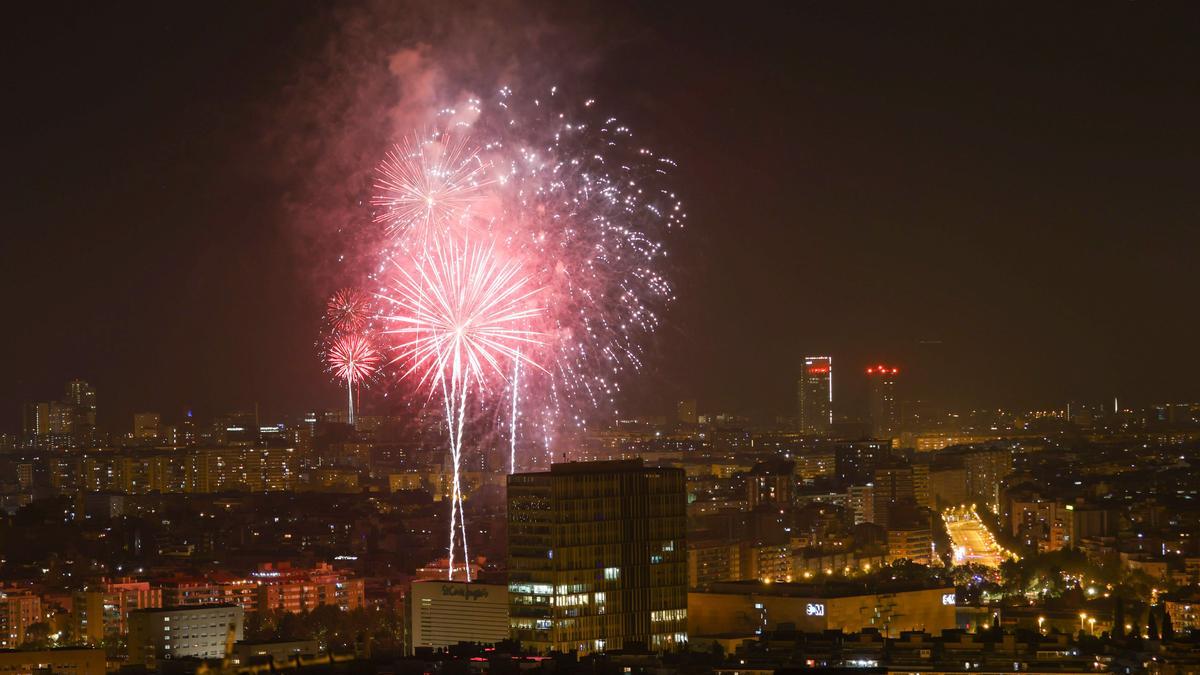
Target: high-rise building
point(81, 398)
point(816, 462)
point(885, 412)
point(855, 461)
point(187, 428)
point(770, 483)
point(893, 491)
point(861, 502)
point(103, 611)
point(146, 425)
point(597, 557)
point(18, 611)
point(65, 423)
point(815, 395)
point(51, 418)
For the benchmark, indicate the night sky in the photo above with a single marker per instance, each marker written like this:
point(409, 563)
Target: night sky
point(1001, 199)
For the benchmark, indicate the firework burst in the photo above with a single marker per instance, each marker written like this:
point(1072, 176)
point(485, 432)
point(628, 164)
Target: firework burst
point(348, 310)
point(522, 266)
point(353, 359)
point(425, 184)
point(578, 195)
point(457, 314)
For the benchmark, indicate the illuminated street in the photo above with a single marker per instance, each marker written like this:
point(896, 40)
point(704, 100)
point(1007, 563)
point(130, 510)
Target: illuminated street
point(972, 542)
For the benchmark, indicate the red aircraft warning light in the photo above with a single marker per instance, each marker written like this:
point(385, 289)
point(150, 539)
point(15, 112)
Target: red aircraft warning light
point(883, 370)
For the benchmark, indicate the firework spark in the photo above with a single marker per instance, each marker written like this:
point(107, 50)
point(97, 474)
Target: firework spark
point(578, 195)
point(460, 301)
point(524, 260)
point(426, 184)
point(348, 310)
point(458, 312)
point(353, 359)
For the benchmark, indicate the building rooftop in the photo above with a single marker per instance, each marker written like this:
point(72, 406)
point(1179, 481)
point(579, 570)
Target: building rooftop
point(832, 589)
point(607, 466)
point(192, 608)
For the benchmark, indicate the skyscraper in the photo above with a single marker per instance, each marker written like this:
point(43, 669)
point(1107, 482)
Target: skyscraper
point(815, 395)
point(885, 413)
point(597, 558)
point(81, 398)
point(47, 419)
point(146, 425)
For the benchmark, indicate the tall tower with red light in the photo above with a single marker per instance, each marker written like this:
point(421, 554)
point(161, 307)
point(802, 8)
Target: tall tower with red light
point(885, 411)
point(815, 395)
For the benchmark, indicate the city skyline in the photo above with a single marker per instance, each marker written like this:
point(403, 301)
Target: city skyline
point(600, 338)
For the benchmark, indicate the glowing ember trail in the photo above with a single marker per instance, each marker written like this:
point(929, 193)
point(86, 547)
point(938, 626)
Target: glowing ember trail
point(458, 312)
point(515, 385)
point(353, 359)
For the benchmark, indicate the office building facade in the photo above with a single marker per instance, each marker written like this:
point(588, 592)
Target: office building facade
point(597, 557)
point(206, 632)
point(885, 411)
point(815, 395)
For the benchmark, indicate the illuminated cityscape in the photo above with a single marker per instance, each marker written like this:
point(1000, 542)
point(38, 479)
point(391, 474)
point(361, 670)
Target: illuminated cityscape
point(601, 339)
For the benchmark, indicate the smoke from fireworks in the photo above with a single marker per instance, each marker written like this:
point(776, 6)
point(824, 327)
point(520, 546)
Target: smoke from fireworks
point(527, 232)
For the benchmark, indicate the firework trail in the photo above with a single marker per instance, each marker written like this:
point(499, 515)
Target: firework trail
point(353, 359)
point(515, 385)
point(457, 314)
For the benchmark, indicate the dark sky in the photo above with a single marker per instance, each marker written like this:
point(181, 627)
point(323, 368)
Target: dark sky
point(1000, 198)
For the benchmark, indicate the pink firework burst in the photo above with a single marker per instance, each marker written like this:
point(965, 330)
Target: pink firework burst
point(424, 185)
point(353, 358)
point(460, 311)
point(348, 310)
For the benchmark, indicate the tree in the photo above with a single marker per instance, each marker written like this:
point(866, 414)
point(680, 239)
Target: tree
point(1168, 629)
point(37, 635)
point(718, 651)
point(1118, 631)
point(1152, 626)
